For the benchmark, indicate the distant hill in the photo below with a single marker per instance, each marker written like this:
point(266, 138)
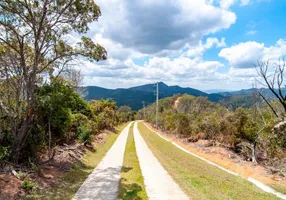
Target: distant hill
point(244, 98)
point(215, 91)
point(264, 91)
point(134, 96)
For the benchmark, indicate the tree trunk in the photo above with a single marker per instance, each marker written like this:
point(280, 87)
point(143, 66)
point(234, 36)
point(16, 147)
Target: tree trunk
point(253, 153)
point(21, 136)
point(50, 138)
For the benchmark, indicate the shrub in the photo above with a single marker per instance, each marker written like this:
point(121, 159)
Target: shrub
point(182, 124)
point(169, 122)
point(27, 185)
point(210, 125)
point(79, 119)
point(84, 134)
point(105, 113)
point(4, 152)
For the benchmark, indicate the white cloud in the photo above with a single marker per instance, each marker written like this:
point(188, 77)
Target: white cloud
point(226, 3)
point(275, 52)
point(248, 2)
point(197, 51)
point(181, 71)
point(176, 70)
point(115, 49)
point(251, 32)
point(173, 35)
point(245, 55)
point(242, 73)
point(149, 26)
point(245, 2)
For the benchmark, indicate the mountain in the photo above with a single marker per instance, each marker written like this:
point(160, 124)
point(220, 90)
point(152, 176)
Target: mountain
point(212, 91)
point(249, 92)
point(134, 96)
point(244, 98)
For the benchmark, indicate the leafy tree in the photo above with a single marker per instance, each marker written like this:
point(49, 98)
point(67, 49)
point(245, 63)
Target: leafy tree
point(105, 113)
point(34, 41)
point(55, 104)
point(125, 114)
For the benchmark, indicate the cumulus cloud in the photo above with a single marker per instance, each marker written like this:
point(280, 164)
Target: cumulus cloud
point(170, 37)
point(183, 69)
point(242, 73)
point(116, 50)
point(275, 52)
point(197, 51)
point(226, 3)
point(245, 55)
point(149, 26)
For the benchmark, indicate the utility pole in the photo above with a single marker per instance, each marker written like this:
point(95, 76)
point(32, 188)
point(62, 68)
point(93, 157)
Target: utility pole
point(157, 104)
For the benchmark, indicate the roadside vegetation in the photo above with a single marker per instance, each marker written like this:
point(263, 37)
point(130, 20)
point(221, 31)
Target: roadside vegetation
point(35, 54)
point(67, 186)
point(197, 178)
point(62, 117)
point(248, 132)
point(131, 185)
point(43, 114)
point(41, 102)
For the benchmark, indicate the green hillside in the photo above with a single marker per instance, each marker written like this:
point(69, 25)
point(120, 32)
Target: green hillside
point(134, 96)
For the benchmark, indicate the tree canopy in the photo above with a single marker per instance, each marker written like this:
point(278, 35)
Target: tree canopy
point(35, 44)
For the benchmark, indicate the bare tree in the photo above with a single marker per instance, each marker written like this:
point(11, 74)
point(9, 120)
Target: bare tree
point(272, 74)
point(75, 79)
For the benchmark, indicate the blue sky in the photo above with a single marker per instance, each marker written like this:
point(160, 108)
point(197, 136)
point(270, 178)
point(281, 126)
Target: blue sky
point(204, 44)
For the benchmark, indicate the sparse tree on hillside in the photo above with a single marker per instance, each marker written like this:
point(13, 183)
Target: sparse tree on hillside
point(33, 41)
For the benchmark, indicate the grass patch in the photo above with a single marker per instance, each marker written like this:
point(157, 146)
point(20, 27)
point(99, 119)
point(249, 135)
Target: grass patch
point(279, 188)
point(73, 179)
point(198, 179)
point(131, 185)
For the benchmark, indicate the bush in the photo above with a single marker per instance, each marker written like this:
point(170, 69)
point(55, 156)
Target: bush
point(169, 122)
point(27, 185)
point(210, 125)
point(182, 124)
point(105, 113)
point(4, 152)
point(79, 119)
point(84, 134)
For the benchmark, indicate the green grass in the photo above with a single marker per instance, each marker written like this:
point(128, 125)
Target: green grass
point(73, 179)
point(279, 188)
point(131, 185)
point(198, 179)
